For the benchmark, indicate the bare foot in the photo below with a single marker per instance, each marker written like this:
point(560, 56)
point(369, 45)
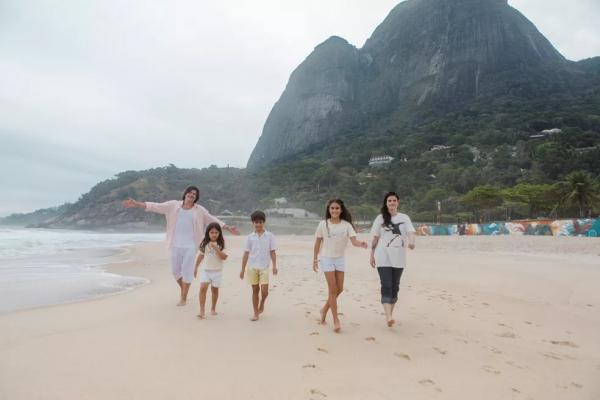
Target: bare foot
point(213, 312)
point(181, 303)
point(336, 327)
point(391, 322)
point(323, 316)
point(200, 316)
point(254, 318)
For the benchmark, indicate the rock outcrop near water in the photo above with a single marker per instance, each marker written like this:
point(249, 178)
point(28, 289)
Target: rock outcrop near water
point(427, 58)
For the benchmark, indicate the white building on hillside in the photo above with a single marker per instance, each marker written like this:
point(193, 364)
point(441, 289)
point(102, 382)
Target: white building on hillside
point(290, 213)
point(380, 160)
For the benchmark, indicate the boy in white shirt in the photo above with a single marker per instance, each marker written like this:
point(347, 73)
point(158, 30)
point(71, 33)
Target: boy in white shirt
point(259, 252)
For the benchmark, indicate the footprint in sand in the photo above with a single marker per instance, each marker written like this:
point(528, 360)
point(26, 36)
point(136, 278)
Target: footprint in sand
point(402, 355)
point(563, 343)
point(508, 335)
point(529, 322)
point(577, 385)
point(442, 352)
point(355, 324)
point(515, 390)
point(322, 350)
point(556, 356)
point(490, 369)
point(430, 383)
point(313, 333)
point(370, 339)
point(309, 366)
point(317, 393)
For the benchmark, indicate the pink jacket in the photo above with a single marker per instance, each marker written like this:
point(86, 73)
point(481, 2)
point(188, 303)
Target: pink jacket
point(170, 209)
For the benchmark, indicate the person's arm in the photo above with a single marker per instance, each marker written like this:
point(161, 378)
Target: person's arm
point(211, 218)
point(159, 208)
point(222, 255)
point(199, 259)
point(376, 232)
point(274, 262)
point(373, 246)
point(244, 262)
point(411, 233)
point(316, 250)
point(358, 243)
point(411, 240)
point(131, 203)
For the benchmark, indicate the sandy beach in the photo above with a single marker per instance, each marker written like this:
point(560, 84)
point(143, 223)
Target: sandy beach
point(497, 317)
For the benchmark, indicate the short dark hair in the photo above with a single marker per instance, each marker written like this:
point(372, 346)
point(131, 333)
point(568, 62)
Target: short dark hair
point(191, 189)
point(258, 216)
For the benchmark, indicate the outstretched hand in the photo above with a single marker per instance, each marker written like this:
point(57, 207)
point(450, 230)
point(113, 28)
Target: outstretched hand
point(233, 230)
point(129, 203)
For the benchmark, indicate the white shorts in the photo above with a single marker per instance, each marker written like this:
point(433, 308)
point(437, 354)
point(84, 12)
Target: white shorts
point(212, 277)
point(183, 262)
point(330, 264)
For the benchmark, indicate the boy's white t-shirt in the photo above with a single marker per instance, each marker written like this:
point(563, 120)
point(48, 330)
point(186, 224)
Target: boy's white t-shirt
point(391, 248)
point(212, 261)
point(260, 247)
point(335, 237)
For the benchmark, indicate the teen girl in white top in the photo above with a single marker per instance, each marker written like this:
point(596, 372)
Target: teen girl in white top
point(332, 236)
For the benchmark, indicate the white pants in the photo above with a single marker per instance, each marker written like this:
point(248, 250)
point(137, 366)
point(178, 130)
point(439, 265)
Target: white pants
point(183, 261)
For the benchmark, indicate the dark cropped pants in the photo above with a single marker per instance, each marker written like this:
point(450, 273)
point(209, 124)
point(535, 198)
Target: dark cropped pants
point(390, 284)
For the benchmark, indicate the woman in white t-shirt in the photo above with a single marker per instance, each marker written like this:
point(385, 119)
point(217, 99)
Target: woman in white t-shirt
point(392, 233)
point(332, 236)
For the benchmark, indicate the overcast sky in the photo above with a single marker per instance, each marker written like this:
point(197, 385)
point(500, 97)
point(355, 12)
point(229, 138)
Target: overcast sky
point(89, 89)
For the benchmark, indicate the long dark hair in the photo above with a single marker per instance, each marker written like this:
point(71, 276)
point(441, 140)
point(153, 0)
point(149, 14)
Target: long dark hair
point(206, 240)
point(385, 213)
point(345, 214)
point(191, 189)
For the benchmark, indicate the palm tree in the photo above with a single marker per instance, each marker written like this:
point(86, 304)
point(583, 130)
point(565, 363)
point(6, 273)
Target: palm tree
point(580, 189)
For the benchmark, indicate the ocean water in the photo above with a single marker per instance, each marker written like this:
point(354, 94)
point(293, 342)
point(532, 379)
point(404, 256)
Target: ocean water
point(43, 267)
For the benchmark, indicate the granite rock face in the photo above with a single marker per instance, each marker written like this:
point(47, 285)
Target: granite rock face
point(315, 102)
point(426, 58)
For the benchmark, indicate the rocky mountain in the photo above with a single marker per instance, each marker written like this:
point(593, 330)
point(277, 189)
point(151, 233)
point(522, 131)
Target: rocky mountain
point(428, 58)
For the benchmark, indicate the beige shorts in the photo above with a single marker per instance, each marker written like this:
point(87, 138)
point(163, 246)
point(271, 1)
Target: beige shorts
point(256, 276)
